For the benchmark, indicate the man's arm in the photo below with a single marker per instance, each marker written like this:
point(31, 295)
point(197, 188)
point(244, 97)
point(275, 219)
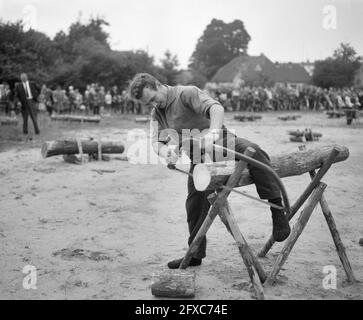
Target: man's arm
point(216, 113)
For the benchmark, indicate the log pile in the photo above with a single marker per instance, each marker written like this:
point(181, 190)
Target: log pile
point(210, 176)
point(335, 114)
point(75, 118)
point(289, 117)
point(8, 121)
point(351, 114)
point(69, 147)
point(304, 135)
point(243, 118)
point(142, 120)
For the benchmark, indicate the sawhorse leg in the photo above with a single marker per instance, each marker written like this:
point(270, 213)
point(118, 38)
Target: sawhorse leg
point(212, 213)
point(304, 196)
point(218, 205)
point(228, 220)
point(336, 237)
point(254, 269)
point(296, 231)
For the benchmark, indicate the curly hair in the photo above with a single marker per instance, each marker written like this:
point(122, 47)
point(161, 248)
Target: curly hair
point(139, 82)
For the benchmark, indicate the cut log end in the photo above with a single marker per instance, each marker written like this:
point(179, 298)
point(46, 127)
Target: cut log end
point(45, 147)
point(174, 284)
point(201, 177)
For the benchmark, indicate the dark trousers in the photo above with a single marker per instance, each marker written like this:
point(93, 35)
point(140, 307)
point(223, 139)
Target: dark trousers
point(197, 204)
point(29, 109)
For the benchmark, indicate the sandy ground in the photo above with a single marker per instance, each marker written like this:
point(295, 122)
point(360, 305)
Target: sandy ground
point(103, 236)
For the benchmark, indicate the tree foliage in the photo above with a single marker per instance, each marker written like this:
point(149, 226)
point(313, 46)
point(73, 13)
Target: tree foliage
point(339, 70)
point(219, 44)
point(25, 51)
point(169, 67)
point(80, 56)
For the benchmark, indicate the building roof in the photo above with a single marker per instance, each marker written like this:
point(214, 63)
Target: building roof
point(291, 73)
point(244, 67)
point(252, 67)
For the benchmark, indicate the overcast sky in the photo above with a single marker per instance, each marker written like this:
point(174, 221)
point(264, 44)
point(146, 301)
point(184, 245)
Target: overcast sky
point(284, 30)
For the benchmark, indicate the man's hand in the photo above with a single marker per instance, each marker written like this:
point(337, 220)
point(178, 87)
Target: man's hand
point(169, 154)
point(207, 141)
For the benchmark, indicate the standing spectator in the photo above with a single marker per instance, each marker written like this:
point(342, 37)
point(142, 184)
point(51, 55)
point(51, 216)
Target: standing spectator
point(27, 92)
point(72, 99)
point(86, 99)
point(48, 100)
point(92, 99)
point(101, 99)
point(114, 93)
point(6, 98)
point(121, 102)
point(108, 101)
point(42, 98)
point(59, 100)
point(78, 101)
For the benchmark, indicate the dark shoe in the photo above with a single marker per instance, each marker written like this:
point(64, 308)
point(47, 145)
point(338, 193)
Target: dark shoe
point(176, 263)
point(280, 224)
point(37, 132)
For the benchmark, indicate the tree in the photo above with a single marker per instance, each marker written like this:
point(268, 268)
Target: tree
point(339, 70)
point(77, 57)
point(25, 51)
point(219, 44)
point(68, 44)
point(169, 66)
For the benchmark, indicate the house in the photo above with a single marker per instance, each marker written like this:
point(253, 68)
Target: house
point(293, 73)
point(258, 70)
point(247, 69)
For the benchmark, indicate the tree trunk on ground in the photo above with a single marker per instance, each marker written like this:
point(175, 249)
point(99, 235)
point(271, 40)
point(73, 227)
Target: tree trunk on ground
point(75, 118)
point(61, 147)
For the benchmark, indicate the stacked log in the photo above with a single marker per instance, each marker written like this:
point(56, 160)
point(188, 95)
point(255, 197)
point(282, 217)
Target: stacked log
point(142, 120)
point(243, 118)
point(8, 121)
point(335, 114)
point(304, 135)
point(289, 117)
point(210, 176)
point(66, 147)
point(75, 118)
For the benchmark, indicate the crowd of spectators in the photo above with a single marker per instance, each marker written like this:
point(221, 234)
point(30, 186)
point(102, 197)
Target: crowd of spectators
point(288, 97)
point(96, 99)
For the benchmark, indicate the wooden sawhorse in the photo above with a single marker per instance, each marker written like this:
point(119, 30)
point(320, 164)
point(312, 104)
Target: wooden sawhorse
point(311, 196)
